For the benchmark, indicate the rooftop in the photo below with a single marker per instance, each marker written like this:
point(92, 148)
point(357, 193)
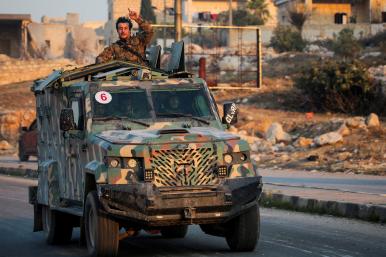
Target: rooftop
point(15, 17)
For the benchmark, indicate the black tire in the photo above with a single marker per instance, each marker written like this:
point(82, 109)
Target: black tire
point(243, 231)
point(57, 226)
point(175, 231)
point(102, 233)
point(22, 156)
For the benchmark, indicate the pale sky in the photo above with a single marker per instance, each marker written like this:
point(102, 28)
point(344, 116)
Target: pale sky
point(89, 10)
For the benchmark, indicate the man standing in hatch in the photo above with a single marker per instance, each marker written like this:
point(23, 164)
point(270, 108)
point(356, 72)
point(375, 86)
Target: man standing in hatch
point(128, 48)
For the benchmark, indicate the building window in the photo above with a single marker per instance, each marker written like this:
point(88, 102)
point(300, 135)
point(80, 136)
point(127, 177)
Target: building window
point(383, 17)
point(340, 18)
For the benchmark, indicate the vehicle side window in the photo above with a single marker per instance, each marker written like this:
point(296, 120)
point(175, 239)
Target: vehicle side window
point(78, 117)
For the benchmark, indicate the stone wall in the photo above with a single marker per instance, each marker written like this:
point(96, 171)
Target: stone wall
point(14, 70)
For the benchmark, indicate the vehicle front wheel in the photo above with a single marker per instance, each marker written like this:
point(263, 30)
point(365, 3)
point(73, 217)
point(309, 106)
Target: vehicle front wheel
point(102, 233)
point(175, 231)
point(243, 232)
point(57, 226)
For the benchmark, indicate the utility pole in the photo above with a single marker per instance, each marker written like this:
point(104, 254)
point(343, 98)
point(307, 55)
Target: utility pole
point(178, 19)
point(164, 29)
point(230, 13)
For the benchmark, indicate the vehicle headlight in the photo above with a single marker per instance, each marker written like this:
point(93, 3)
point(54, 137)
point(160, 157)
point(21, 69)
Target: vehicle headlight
point(132, 163)
point(228, 158)
point(114, 163)
point(236, 158)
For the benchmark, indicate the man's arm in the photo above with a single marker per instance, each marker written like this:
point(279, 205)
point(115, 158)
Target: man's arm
point(147, 33)
point(106, 55)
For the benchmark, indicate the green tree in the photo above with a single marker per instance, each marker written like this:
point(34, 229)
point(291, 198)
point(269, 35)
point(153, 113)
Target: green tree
point(260, 9)
point(286, 38)
point(147, 11)
point(346, 45)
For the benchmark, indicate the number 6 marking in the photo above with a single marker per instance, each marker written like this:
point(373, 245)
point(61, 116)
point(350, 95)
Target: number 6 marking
point(103, 97)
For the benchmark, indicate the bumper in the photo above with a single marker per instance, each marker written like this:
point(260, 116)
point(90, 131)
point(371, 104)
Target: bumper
point(154, 206)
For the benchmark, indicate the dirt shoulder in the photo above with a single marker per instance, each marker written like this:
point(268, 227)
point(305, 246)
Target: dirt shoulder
point(361, 150)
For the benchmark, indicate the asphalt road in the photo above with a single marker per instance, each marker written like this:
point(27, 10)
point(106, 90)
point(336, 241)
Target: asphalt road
point(283, 233)
point(367, 184)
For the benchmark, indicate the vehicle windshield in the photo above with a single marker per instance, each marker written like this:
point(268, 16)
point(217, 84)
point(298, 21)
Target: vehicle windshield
point(168, 103)
point(127, 104)
point(189, 102)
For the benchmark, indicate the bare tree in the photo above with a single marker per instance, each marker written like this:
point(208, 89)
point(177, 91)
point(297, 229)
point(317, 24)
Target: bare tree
point(298, 14)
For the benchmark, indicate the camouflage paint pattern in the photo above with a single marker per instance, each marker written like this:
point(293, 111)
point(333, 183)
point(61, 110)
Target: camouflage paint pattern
point(178, 156)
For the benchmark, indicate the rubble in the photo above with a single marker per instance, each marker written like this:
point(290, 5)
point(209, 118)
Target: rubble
point(11, 123)
point(276, 133)
point(344, 130)
point(372, 120)
point(303, 142)
point(356, 122)
point(4, 145)
point(328, 139)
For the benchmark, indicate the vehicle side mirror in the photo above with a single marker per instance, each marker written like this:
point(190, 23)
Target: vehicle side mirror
point(67, 119)
point(230, 114)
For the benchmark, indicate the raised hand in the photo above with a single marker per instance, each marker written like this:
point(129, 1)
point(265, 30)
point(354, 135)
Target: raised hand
point(133, 15)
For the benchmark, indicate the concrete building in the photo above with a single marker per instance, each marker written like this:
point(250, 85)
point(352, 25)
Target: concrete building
point(328, 17)
point(323, 12)
point(13, 34)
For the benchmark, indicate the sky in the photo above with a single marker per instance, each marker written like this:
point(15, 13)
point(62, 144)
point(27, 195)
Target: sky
point(89, 10)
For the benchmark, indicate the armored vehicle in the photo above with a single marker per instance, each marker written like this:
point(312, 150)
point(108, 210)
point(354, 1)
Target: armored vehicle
point(124, 148)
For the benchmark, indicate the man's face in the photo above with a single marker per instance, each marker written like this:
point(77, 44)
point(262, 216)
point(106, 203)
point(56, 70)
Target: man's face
point(123, 31)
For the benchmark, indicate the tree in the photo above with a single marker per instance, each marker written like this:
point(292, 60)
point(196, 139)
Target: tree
point(298, 15)
point(147, 11)
point(346, 45)
point(260, 9)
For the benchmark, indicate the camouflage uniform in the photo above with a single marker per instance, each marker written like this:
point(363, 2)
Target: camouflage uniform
point(130, 49)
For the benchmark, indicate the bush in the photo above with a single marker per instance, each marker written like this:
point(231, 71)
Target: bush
point(286, 39)
point(241, 17)
point(341, 87)
point(346, 45)
point(382, 47)
point(377, 40)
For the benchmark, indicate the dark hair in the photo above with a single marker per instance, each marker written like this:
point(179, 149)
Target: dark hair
point(123, 20)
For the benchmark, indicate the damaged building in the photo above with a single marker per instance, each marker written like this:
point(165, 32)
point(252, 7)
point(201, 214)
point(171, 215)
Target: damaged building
point(52, 38)
point(65, 38)
point(14, 34)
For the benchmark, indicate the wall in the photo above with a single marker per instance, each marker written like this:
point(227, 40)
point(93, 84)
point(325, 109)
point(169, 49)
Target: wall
point(14, 70)
point(361, 11)
point(319, 32)
point(10, 35)
point(377, 7)
point(324, 13)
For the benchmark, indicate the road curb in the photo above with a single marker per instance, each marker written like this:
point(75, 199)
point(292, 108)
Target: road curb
point(19, 172)
point(368, 212)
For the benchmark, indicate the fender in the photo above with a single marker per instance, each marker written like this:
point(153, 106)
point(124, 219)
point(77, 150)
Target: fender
point(48, 181)
point(98, 170)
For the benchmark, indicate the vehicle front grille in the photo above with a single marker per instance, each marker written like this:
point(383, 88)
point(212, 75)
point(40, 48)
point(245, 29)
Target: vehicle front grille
point(184, 167)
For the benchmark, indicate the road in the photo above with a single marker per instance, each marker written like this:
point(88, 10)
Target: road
point(283, 233)
point(367, 184)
